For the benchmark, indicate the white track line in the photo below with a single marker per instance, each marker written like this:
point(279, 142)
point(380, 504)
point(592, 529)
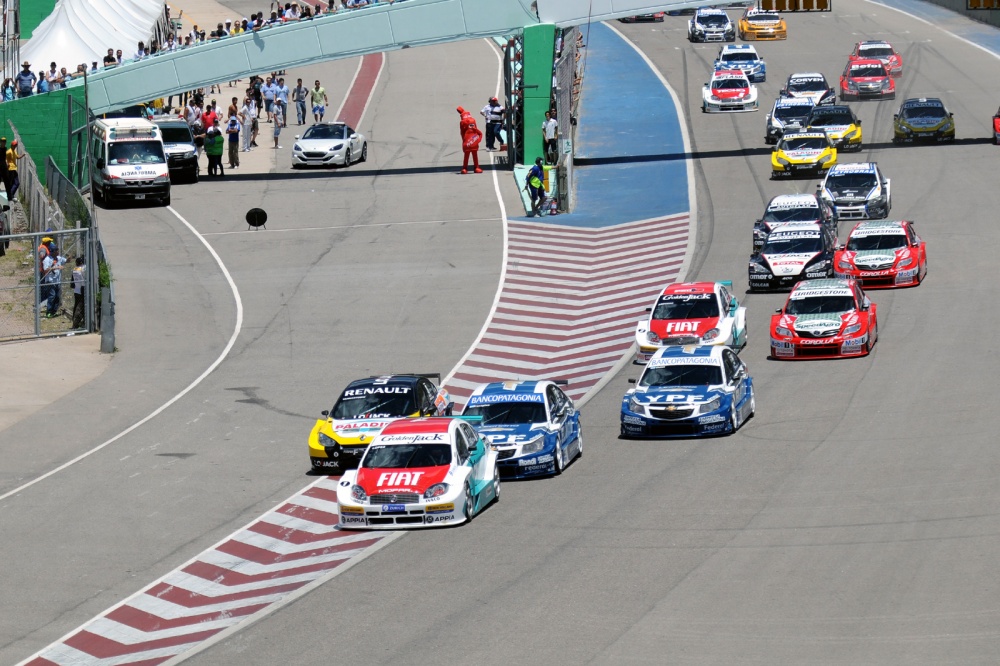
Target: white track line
point(168, 403)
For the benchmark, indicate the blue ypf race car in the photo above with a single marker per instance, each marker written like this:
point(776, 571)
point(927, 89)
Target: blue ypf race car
point(533, 425)
point(689, 392)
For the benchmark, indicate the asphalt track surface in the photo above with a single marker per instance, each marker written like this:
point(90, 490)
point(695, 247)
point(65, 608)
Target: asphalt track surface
point(854, 520)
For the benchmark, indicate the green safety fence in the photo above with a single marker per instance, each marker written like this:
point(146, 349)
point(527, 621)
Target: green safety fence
point(42, 121)
point(33, 12)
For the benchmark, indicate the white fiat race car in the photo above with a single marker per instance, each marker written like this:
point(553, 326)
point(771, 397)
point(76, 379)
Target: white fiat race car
point(729, 91)
point(425, 472)
point(692, 313)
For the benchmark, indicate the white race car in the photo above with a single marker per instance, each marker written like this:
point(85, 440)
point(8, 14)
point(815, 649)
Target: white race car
point(425, 472)
point(812, 86)
point(692, 313)
point(729, 91)
point(711, 25)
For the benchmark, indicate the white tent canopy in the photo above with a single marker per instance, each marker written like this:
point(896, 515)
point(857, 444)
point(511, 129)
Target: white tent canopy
point(82, 31)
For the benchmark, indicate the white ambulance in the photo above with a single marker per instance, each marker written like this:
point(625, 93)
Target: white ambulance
point(129, 161)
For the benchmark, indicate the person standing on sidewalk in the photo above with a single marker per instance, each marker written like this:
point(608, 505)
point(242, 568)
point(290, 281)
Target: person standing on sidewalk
point(3, 162)
point(493, 113)
point(281, 98)
point(299, 94)
point(233, 135)
point(247, 118)
point(13, 181)
point(550, 127)
point(214, 145)
point(79, 293)
point(319, 102)
point(269, 90)
point(279, 122)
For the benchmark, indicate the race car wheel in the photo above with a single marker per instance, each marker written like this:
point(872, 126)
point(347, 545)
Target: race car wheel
point(753, 403)
point(364, 152)
point(734, 420)
point(872, 336)
point(579, 442)
point(559, 463)
point(496, 483)
point(347, 158)
point(470, 505)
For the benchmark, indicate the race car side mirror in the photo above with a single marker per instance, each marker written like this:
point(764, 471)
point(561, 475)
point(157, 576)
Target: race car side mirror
point(951, 115)
point(631, 381)
point(778, 311)
point(841, 247)
point(649, 309)
point(895, 116)
point(325, 412)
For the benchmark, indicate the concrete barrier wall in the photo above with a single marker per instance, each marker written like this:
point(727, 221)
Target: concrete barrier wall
point(990, 16)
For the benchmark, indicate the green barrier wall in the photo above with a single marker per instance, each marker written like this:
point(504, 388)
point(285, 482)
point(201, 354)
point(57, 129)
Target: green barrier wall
point(42, 122)
point(539, 55)
point(34, 12)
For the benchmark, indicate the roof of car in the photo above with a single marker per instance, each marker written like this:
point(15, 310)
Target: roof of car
point(806, 75)
point(793, 101)
point(797, 228)
point(872, 227)
point(805, 134)
point(690, 288)
point(793, 200)
point(923, 101)
point(738, 48)
point(853, 167)
point(821, 287)
point(677, 354)
point(524, 391)
point(875, 42)
point(710, 11)
point(427, 425)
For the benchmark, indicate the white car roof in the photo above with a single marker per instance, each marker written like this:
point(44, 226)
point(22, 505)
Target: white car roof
point(793, 201)
point(853, 167)
point(738, 48)
point(823, 287)
point(798, 227)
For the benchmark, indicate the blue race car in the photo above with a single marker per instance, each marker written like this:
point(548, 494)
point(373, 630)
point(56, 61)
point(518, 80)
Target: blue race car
point(742, 57)
point(689, 391)
point(533, 425)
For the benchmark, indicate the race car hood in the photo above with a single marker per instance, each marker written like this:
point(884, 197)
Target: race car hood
point(851, 194)
point(925, 123)
point(818, 325)
point(868, 79)
point(676, 395)
point(666, 328)
point(835, 131)
point(511, 435)
point(789, 264)
point(353, 431)
point(804, 155)
point(730, 93)
point(393, 480)
point(875, 259)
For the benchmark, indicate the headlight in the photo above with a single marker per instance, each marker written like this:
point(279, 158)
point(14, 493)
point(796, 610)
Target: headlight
point(851, 85)
point(186, 155)
point(905, 262)
point(850, 135)
point(710, 335)
point(781, 160)
point(878, 199)
point(326, 440)
point(948, 125)
point(905, 129)
point(757, 268)
point(846, 265)
point(437, 490)
point(710, 406)
point(781, 330)
point(818, 266)
point(759, 233)
point(297, 148)
point(852, 329)
point(162, 179)
point(534, 446)
point(635, 406)
point(337, 147)
point(358, 493)
point(716, 97)
point(827, 159)
point(652, 338)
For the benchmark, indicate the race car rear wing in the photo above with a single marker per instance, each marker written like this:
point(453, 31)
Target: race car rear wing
point(427, 375)
point(796, 5)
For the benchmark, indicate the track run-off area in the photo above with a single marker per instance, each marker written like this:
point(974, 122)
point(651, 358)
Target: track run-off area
point(853, 520)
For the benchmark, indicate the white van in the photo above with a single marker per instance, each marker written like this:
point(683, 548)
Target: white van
point(129, 161)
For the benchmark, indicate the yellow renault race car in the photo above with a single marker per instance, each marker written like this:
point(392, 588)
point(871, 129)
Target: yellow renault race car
point(339, 439)
point(839, 123)
point(758, 24)
point(803, 154)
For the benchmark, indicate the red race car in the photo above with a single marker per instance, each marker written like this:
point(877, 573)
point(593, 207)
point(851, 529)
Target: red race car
point(882, 254)
point(879, 50)
point(996, 128)
point(866, 79)
point(824, 319)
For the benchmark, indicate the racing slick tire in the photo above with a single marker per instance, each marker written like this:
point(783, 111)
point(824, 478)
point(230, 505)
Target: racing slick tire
point(892, 96)
point(734, 421)
point(496, 483)
point(166, 200)
point(364, 152)
point(558, 463)
point(753, 403)
point(469, 507)
point(579, 442)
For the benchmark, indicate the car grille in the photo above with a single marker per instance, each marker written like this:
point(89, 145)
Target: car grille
point(874, 267)
point(881, 281)
point(817, 350)
point(817, 334)
point(681, 340)
point(314, 155)
point(395, 498)
point(399, 520)
point(508, 453)
point(671, 413)
point(667, 429)
point(870, 87)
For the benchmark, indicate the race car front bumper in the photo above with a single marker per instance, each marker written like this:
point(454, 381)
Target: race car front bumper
point(797, 349)
point(764, 35)
point(336, 458)
point(540, 463)
point(769, 281)
point(883, 279)
point(918, 135)
point(681, 423)
point(740, 106)
point(437, 513)
point(794, 170)
point(862, 211)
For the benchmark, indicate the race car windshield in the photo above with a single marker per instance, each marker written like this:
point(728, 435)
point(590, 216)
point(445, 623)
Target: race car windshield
point(713, 21)
point(729, 84)
point(881, 242)
point(876, 52)
point(789, 113)
point(508, 413)
point(404, 456)
point(828, 119)
point(793, 245)
point(792, 215)
point(820, 305)
point(326, 132)
point(932, 112)
point(804, 143)
point(807, 85)
point(867, 70)
point(682, 375)
point(739, 57)
point(850, 181)
point(135, 152)
point(673, 309)
point(374, 405)
point(764, 17)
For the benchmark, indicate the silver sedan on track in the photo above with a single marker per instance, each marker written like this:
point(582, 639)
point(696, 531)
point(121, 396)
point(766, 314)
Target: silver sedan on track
point(328, 144)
